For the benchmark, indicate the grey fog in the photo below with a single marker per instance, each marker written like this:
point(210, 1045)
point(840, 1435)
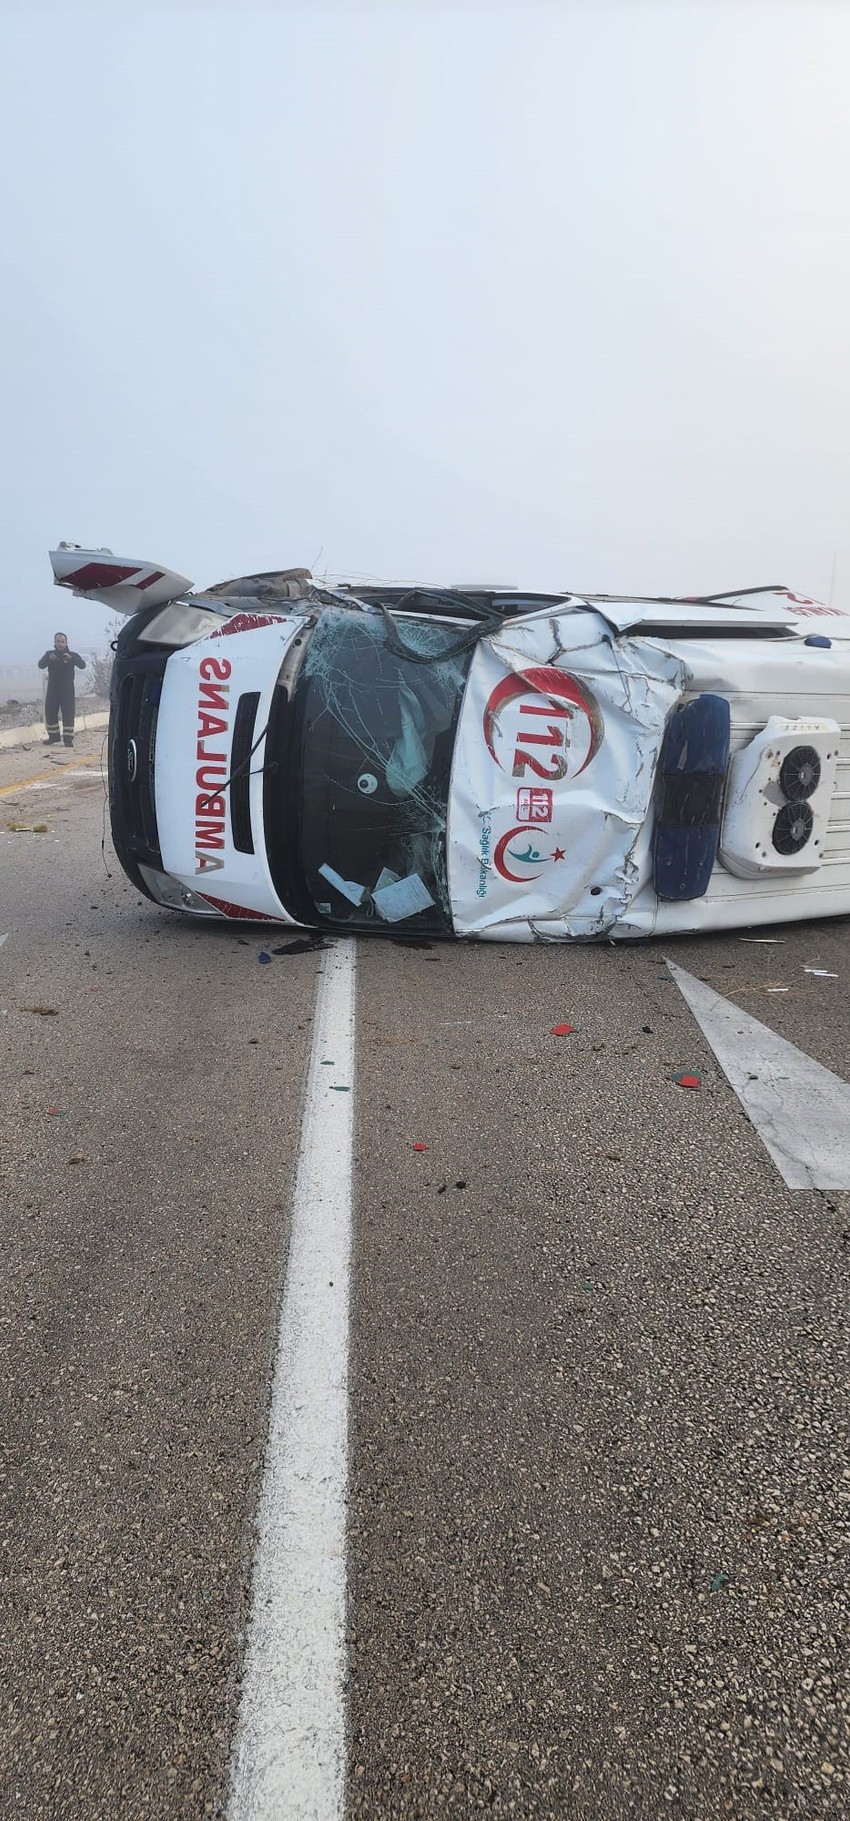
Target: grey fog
point(552, 295)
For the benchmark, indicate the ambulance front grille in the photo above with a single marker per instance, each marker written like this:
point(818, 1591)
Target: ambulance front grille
point(240, 772)
point(132, 759)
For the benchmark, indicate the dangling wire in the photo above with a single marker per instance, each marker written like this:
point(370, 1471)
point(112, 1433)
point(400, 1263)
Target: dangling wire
point(237, 773)
point(487, 620)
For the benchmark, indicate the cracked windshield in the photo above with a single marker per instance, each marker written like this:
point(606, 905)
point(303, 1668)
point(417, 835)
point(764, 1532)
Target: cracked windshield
point(378, 705)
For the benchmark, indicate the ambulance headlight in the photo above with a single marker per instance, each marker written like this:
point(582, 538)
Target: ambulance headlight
point(181, 623)
point(175, 896)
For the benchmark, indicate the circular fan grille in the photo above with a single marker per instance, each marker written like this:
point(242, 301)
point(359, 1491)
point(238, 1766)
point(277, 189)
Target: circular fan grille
point(800, 773)
point(792, 827)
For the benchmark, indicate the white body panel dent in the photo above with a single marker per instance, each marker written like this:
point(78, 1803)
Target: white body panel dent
point(554, 835)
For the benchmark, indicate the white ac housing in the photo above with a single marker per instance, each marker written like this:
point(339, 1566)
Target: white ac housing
point(778, 794)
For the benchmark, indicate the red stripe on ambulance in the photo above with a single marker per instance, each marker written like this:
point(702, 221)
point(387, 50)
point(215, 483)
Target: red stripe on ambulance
point(100, 575)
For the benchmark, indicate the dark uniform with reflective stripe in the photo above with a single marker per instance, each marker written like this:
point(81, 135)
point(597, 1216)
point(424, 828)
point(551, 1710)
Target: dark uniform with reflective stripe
point(60, 666)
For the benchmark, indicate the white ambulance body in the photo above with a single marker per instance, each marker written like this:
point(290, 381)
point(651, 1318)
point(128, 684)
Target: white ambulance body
point(481, 763)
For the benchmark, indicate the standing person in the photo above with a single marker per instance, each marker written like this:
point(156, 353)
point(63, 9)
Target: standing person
point(60, 664)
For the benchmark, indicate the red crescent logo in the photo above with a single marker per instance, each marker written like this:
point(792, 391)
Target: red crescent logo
point(499, 856)
point(560, 687)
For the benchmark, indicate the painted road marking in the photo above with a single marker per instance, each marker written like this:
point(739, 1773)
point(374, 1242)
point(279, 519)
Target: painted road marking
point(800, 1110)
point(47, 777)
point(289, 1759)
point(66, 776)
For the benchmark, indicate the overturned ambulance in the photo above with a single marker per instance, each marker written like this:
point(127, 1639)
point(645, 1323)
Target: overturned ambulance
point(476, 762)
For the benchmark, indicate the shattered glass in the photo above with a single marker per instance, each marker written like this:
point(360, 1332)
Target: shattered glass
point(377, 736)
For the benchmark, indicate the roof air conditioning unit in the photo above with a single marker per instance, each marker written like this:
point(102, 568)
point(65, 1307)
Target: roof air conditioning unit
point(778, 794)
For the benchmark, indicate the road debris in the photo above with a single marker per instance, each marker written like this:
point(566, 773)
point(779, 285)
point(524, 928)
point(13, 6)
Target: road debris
point(763, 986)
point(562, 1030)
point(28, 828)
point(820, 973)
point(687, 1080)
point(302, 945)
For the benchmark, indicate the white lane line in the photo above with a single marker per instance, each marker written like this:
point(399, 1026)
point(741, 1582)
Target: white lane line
point(800, 1110)
point(289, 1759)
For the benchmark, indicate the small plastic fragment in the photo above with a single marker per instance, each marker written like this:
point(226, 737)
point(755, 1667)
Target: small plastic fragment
point(562, 1030)
point(419, 1147)
point(719, 1581)
point(57, 1110)
point(27, 828)
point(263, 958)
point(820, 973)
point(687, 1081)
point(336, 1089)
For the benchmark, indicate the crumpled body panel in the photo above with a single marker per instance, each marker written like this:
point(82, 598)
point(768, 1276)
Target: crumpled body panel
point(552, 778)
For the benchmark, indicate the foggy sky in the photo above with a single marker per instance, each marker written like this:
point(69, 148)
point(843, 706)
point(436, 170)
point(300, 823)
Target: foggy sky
point(540, 294)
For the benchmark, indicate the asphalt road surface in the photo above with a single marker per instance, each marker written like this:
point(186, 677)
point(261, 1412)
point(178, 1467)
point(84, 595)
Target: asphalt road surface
point(598, 1475)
